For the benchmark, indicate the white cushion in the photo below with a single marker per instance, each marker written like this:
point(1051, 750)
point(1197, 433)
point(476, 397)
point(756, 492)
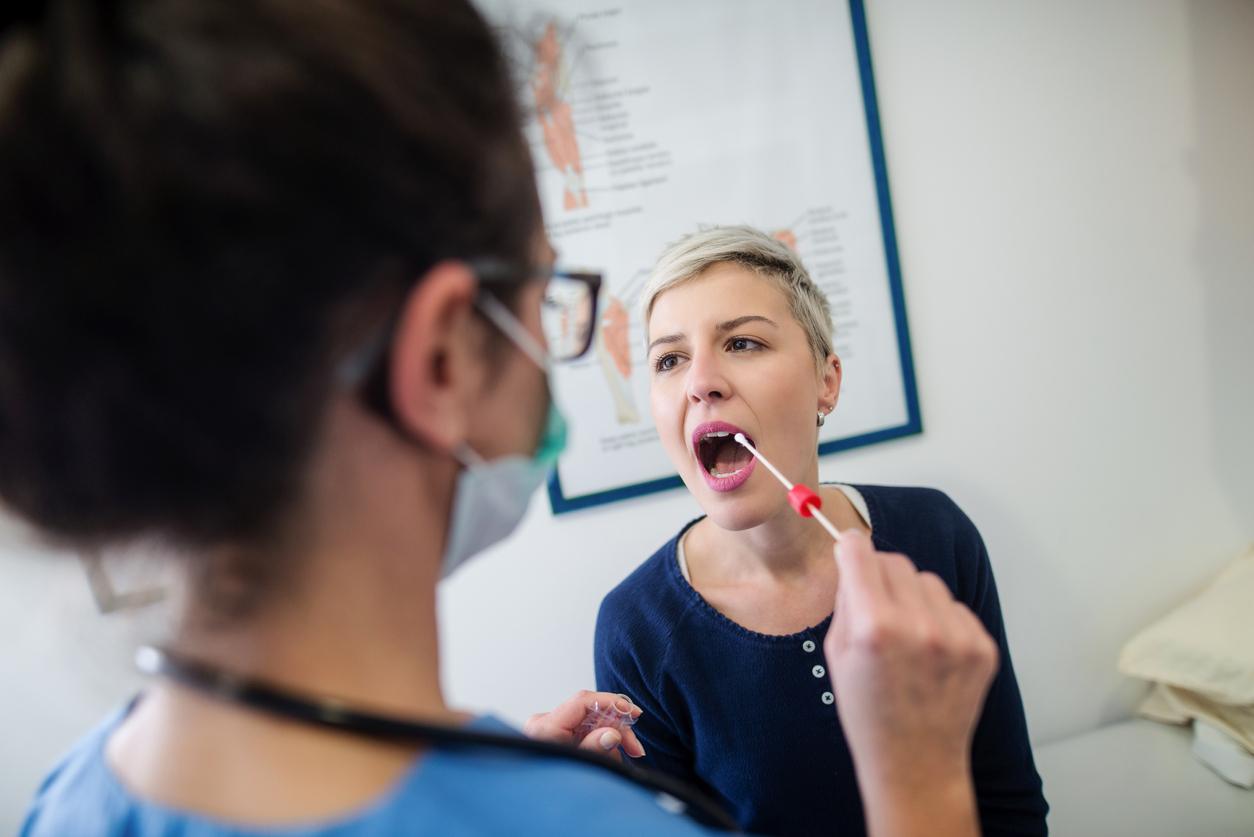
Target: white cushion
point(1140, 779)
point(1216, 749)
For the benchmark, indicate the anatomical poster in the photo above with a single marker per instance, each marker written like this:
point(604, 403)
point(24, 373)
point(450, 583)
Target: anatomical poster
point(652, 119)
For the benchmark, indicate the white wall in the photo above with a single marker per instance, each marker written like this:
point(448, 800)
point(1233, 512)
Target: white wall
point(61, 665)
point(1074, 194)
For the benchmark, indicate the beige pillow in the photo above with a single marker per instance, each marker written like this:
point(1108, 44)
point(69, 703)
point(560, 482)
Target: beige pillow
point(1179, 706)
point(1207, 644)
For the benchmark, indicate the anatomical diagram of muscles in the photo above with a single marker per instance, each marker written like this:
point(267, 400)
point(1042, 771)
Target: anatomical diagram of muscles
point(614, 353)
point(557, 124)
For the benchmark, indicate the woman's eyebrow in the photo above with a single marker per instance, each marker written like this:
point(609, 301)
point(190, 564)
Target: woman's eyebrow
point(732, 325)
point(721, 328)
point(670, 338)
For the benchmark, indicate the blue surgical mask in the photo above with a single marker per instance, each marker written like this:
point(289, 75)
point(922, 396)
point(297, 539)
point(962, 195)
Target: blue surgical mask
point(491, 497)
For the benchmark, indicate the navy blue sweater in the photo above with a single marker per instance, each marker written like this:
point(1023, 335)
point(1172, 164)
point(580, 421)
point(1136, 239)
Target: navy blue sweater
point(748, 718)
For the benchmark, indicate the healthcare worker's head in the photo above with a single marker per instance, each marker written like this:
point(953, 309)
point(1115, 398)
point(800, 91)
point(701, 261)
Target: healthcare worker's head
point(739, 340)
point(271, 275)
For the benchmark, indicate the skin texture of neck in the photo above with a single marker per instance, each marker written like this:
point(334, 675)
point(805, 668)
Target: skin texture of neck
point(785, 545)
point(353, 617)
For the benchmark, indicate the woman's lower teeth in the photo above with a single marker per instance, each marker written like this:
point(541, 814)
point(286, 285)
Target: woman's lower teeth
point(714, 473)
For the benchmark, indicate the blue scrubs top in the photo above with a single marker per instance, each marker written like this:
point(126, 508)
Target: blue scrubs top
point(447, 793)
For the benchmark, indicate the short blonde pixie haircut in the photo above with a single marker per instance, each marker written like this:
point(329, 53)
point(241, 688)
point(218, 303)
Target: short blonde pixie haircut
point(768, 257)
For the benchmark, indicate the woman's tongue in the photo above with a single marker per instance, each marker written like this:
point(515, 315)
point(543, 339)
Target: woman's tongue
point(729, 457)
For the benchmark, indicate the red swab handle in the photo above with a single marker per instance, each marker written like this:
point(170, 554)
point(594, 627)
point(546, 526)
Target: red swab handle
point(802, 498)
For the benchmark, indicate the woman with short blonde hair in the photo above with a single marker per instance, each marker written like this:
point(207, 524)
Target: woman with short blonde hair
point(718, 636)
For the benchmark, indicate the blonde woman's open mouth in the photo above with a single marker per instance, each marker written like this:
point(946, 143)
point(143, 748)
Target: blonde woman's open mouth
point(725, 464)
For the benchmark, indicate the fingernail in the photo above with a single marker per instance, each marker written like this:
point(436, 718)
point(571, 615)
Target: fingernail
point(608, 741)
point(623, 708)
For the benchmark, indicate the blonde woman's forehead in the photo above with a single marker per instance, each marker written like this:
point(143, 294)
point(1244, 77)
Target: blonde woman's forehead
point(722, 292)
point(761, 262)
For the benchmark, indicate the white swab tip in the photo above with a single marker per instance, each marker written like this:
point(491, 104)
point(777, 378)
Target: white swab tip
point(740, 437)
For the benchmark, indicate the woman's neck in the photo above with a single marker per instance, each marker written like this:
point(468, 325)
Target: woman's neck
point(355, 620)
point(351, 627)
point(785, 545)
point(356, 616)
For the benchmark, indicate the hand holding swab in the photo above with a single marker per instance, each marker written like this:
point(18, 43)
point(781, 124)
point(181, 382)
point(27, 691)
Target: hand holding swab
point(804, 501)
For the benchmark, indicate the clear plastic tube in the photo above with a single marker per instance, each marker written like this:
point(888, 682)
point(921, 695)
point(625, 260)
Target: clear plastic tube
point(608, 717)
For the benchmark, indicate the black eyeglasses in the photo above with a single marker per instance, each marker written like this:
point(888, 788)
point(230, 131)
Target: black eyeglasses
point(568, 310)
point(568, 316)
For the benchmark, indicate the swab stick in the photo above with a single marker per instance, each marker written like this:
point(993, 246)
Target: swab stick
point(803, 500)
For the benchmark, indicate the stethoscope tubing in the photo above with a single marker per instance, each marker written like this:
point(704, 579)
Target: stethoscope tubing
point(333, 714)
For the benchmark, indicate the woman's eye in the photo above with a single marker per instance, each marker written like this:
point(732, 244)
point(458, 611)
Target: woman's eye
point(665, 363)
point(743, 344)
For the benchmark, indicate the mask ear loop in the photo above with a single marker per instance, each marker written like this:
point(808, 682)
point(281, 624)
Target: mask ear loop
point(365, 365)
point(468, 456)
point(507, 322)
point(355, 368)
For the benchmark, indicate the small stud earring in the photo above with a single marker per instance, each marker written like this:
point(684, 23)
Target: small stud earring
point(822, 418)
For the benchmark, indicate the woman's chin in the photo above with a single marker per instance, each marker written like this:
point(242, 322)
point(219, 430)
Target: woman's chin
point(735, 520)
point(735, 511)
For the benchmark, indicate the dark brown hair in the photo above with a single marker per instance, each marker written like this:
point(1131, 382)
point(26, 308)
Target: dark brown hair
point(192, 192)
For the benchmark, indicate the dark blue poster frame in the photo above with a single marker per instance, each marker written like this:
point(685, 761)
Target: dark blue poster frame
point(914, 423)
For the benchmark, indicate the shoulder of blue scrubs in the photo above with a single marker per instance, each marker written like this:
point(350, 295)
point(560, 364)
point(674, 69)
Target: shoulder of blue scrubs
point(450, 793)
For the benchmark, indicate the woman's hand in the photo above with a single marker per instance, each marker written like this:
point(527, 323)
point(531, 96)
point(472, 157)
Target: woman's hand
point(560, 725)
point(910, 668)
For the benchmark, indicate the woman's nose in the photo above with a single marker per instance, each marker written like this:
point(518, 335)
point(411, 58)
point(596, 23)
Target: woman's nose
point(706, 381)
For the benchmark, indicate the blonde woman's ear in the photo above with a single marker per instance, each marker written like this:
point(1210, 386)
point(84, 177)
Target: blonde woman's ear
point(830, 389)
